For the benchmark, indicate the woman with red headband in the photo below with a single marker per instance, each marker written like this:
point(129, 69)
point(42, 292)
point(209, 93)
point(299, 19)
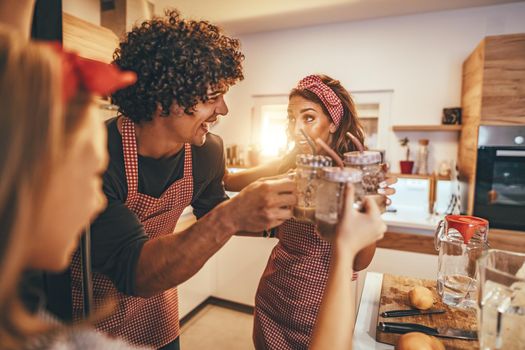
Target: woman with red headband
point(291, 288)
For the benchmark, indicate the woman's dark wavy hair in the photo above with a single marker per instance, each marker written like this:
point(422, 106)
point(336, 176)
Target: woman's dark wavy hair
point(176, 60)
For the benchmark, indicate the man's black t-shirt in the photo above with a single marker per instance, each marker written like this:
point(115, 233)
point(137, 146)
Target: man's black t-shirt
point(117, 236)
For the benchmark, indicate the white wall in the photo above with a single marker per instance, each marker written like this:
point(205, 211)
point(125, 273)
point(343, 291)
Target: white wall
point(419, 57)
point(137, 11)
point(88, 10)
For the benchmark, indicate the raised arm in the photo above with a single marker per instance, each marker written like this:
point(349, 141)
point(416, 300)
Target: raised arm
point(237, 181)
point(335, 322)
point(167, 261)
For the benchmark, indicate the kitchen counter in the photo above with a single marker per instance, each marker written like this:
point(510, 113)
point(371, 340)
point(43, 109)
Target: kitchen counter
point(423, 242)
point(406, 221)
point(413, 231)
point(394, 289)
point(365, 326)
point(410, 230)
point(412, 221)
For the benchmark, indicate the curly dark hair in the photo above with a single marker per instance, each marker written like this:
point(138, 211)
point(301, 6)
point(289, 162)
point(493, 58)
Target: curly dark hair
point(176, 60)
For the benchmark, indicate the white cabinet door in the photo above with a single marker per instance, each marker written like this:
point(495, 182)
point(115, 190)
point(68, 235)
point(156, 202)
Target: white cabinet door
point(202, 285)
point(240, 264)
point(197, 289)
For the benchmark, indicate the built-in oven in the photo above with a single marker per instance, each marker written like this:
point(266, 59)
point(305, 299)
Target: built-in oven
point(500, 176)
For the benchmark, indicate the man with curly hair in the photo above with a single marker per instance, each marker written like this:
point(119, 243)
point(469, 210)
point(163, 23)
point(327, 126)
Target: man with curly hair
point(162, 159)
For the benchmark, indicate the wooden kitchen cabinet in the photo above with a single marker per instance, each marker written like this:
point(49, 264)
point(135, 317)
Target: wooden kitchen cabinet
point(503, 91)
point(87, 39)
point(493, 93)
point(493, 90)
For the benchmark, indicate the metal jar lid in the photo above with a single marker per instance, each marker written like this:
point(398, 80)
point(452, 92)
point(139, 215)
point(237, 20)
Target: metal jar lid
point(309, 160)
point(336, 174)
point(362, 158)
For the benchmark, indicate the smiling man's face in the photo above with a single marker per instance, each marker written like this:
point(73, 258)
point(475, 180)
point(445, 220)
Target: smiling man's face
point(193, 128)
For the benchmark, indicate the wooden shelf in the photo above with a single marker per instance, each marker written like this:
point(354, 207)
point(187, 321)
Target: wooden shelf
point(422, 177)
point(426, 127)
point(411, 176)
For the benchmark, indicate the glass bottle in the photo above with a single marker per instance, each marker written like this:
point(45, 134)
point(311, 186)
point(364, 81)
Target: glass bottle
point(422, 158)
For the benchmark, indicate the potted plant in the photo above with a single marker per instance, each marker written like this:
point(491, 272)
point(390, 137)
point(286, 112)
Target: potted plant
point(406, 165)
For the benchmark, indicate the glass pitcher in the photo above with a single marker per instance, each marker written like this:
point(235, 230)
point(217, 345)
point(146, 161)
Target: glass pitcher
point(460, 240)
point(501, 314)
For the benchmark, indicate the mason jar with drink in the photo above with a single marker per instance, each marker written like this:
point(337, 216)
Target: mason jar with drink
point(307, 178)
point(330, 197)
point(369, 162)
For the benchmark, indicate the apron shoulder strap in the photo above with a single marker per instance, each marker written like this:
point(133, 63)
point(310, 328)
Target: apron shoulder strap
point(187, 160)
point(129, 148)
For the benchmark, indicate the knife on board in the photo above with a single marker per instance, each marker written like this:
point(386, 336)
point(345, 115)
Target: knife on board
point(411, 312)
point(442, 332)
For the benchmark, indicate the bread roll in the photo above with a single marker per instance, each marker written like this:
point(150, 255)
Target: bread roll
point(418, 341)
point(421, 298)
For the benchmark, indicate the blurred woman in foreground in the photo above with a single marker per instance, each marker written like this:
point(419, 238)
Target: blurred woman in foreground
point(52, 155)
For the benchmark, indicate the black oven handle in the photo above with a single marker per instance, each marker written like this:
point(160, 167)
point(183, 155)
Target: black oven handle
point(509, 153)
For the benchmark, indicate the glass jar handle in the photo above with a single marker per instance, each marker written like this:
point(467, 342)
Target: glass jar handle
point(437, 234)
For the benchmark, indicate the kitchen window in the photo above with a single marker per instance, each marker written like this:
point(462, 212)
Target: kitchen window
point(269, 122)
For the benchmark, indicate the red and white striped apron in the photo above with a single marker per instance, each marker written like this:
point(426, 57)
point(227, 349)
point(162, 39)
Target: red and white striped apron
point(151, 321)
point(291, 288)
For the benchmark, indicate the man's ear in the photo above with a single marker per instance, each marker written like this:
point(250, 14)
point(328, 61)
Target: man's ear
point(158, 110)
point(333, 128)
point(175, 110)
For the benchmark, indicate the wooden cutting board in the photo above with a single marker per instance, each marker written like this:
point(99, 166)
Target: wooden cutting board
point(394, 296)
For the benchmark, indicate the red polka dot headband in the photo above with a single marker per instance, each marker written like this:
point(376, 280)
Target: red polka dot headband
point(96, 77)
point(330, 100)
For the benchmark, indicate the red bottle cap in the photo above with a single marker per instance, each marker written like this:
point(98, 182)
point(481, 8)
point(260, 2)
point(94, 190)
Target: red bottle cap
point(466, 225)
